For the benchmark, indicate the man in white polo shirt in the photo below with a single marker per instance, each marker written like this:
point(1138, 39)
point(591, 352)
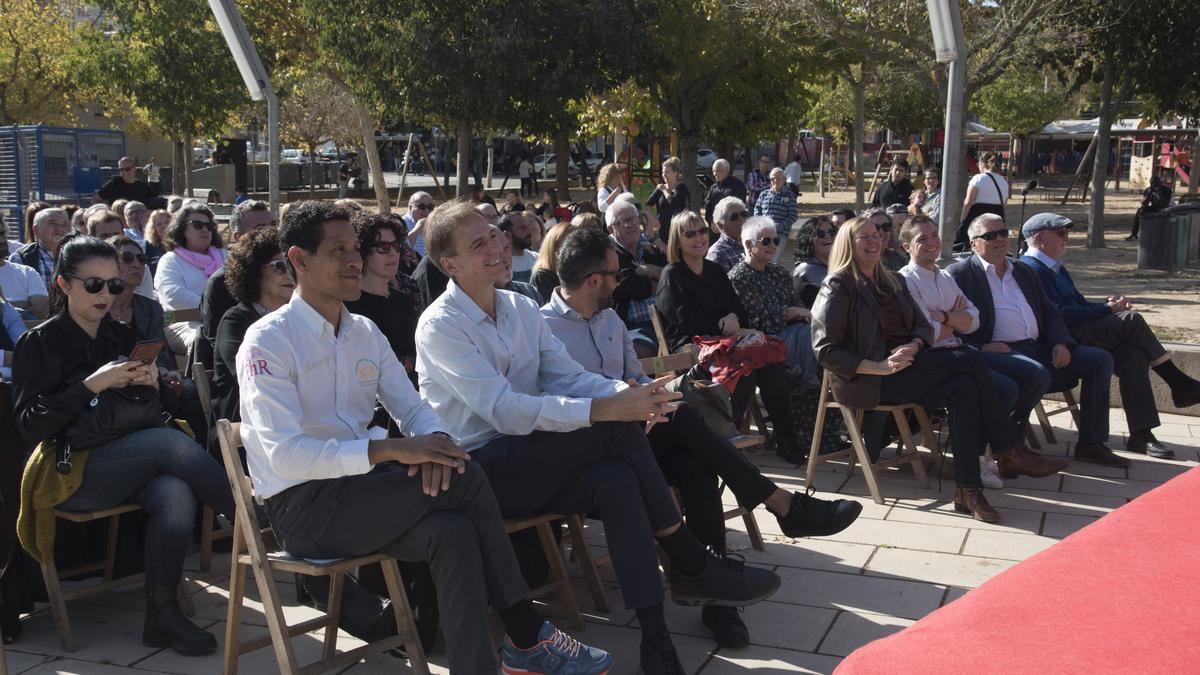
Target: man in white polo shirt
point(22, 286)
point(309, 374)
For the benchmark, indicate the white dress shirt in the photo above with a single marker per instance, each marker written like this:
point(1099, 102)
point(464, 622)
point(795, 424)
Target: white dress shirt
point(308, 395)
point(936, 290)
point(505, 376)
point(1014, 317)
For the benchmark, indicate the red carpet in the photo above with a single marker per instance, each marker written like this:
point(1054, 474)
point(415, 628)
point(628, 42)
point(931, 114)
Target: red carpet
point(1119, 596)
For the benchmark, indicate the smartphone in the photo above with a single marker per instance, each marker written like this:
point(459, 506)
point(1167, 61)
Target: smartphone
point(146, 351)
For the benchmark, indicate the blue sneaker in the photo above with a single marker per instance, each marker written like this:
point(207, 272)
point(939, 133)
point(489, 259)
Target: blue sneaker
point(556, 653)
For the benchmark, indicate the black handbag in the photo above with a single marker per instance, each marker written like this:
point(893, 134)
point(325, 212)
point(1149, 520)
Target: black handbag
point(113, 413)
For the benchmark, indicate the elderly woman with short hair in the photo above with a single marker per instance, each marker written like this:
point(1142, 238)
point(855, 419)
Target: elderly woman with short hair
point(729, 215)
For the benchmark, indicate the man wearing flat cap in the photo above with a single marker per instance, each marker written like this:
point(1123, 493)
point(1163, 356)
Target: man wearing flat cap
point(1114, 326)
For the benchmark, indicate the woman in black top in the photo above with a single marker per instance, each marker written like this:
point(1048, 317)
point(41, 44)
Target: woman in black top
point(257, 277)
point(695, 297)
point(671, 196)
point(379, 240)
point(812, 258)
point(61, 369)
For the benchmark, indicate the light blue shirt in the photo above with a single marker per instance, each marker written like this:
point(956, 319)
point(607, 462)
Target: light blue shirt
point(1050, 263)
point(15, 327)
point(507, 376)
point(600, 344)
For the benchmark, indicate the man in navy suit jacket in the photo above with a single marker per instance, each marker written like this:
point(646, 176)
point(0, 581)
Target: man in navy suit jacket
point(1114, 327)
point(1016, 316)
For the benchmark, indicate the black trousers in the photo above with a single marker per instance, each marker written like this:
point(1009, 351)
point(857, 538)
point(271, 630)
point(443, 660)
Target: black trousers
point(773, 382)
point(957, 379)
point(693, 458)
point(459, 533)
point(608, 469)
point(1133, 346)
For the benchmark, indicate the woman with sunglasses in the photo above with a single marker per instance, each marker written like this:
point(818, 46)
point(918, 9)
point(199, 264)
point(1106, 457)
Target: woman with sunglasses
point(257, 277)
point(729, 215)
point(183, 271)
point(379, 241)
point(61, 368)
point(179, 396)
point(813, 245)
point(696, 297)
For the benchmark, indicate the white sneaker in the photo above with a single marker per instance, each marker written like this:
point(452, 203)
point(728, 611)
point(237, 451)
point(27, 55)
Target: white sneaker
point(989, 471)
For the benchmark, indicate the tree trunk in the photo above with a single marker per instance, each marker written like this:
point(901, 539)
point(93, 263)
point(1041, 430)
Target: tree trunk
point(562, 163)
point(464, 156)
point(1095, 235)
point(1194, 173)
point(366, 125)
point(312, 171)
point(187, 166)
point(856, 141)
point(689, 147)
point(585, 171)
point(177, 166)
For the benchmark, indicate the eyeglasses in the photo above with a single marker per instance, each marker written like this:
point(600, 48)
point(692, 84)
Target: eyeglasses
point(767, 241)
point(631, 221)
point(615, 274)
point(824, 233)
point(127, 257)
point(740, 215)
point(279, 266)
point(386, 247)
point(423, 207)
point(200, 224)
point(94, 285)
point(691, 234)
point(993, 235)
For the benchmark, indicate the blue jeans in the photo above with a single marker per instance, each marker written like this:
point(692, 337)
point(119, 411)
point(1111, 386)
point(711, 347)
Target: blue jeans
point(1095, 368)
point(1020, 383)
point(164, 472)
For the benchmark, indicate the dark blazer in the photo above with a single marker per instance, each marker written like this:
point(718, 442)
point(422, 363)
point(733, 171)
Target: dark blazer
point(1060, 288)
point(630, 285)
point(972, 280)
point(230, 333)
point(847, 327)
point(431, 280)
point(214, 302)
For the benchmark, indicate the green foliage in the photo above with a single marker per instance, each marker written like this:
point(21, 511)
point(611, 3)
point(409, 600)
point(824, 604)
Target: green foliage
point(903, 102)
point(39, 51)
point(1019, 102)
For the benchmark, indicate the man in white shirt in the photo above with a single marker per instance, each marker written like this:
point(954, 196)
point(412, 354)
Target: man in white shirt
point(553, 437)
point(22, 286)
point(309, 374)
point(525, 171)
point(1020, 380)
point(793, 172)
point(516, 227)
point(136, 217)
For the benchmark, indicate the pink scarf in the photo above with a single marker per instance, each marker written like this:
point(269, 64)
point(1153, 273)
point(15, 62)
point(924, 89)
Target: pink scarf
point(209, 261)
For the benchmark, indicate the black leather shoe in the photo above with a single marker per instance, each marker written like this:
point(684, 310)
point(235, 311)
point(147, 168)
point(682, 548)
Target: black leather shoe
point(812, 517)
point(166, 626)
point(1186, 398)
point(726, 580)
point(661, 659)
point(1099, 453)
point(728, 629)
point(1149, 446)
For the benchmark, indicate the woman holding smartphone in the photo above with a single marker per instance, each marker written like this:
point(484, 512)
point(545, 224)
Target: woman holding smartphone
point(61, 370)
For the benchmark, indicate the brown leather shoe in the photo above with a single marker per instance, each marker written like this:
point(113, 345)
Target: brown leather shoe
point(971, 500)
point(1021, 461)
point(1099, 453)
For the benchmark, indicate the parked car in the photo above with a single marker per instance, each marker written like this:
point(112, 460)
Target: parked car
point(293, 156)
point(546, 166)
point(705, 157)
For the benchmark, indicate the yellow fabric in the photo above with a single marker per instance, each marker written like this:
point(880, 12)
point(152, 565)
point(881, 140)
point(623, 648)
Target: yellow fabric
point(42, 489)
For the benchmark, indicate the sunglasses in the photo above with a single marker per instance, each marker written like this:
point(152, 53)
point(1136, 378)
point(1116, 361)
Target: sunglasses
point(691, 234)
point(993, 235)
point(127, 257)
point(740, 215)
point(767, 241)
point(825, 233)
point(200, 224)
point(93, 285)
point(423, 207)
point(386, 247)
point(279, 266)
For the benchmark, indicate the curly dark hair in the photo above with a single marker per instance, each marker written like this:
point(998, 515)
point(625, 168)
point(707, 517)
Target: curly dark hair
point(177, 230)
point(247, 256)
point(367, 225)
point(804, 242)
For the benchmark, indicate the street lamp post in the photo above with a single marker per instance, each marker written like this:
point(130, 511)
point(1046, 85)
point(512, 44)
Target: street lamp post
point(945, 20)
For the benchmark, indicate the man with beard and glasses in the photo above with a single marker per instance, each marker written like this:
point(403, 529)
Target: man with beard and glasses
point(516, 226)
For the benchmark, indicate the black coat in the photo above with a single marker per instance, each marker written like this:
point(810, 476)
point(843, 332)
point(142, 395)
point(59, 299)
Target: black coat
point(972, 280)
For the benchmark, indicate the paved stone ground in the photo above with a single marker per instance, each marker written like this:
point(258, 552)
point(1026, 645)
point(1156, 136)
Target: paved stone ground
point(898, 562)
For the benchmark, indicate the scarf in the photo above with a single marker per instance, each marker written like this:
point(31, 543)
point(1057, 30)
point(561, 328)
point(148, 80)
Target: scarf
point(209, 261)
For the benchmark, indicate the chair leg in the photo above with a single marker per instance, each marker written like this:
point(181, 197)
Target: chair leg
point(237, 593)
point(581, 550)
point(860, 450)
point(906, 437)
point(206, 539)
point(334, 613)
point(756, 538)
point(1073, 406)
point(814, 451)
point(558, 572)
point(406, 623)
point(281, 641)
point(1031, 438)
point(1044, 420)
point(58, 606)
point(110, 549)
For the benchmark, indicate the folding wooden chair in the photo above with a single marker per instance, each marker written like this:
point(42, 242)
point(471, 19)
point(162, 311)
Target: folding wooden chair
point(853, 418)
point(3, 662)
point(250, 552)
point(683, 361)
point(51, 574)
point(1072, 406)
point(208, 534)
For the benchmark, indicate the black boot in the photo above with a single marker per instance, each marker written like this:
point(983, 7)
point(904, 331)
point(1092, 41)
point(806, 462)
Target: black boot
point(166, 626)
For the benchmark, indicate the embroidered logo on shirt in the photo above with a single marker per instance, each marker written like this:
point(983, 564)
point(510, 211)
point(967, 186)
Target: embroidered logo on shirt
point(367, 370)
point(255, 363)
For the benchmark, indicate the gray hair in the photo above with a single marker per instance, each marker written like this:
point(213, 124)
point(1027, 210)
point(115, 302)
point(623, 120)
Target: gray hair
point(610, 214)
point(773, 171)
point(240, 211)
point(174, 203)
point(723, 163)
point(754, 228)
point(133, 205)
point(415, 197)
point(44, 215)
point(976, 227)
point(721, 211)
point(626, 196)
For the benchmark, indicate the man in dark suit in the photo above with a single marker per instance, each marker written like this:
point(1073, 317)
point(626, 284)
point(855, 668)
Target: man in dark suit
point(1015, 315)
point(1114, 327)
